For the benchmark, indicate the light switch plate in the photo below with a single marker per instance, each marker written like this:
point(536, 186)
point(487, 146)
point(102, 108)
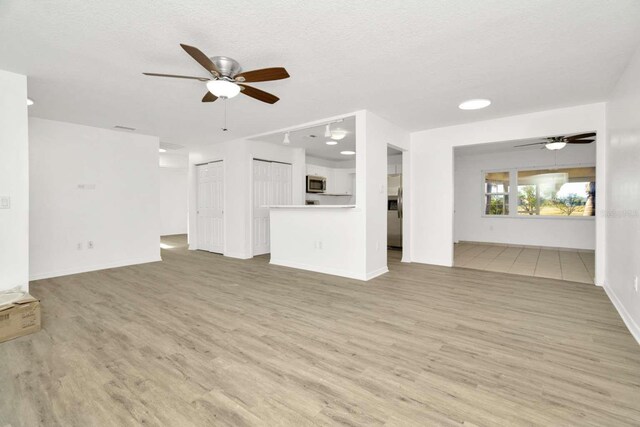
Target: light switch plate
point(5, 202)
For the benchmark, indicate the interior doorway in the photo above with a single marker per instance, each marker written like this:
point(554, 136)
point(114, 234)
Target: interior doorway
point(271, 186)
point(210, 207)
point(526, 207)
point(395, 200)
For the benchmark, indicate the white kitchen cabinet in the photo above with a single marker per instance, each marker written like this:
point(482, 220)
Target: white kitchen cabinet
point(316, 170)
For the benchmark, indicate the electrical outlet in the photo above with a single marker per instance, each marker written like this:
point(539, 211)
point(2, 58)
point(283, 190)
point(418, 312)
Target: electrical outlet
point(320, 244)
point(90, 244)
point(5, 202)
point(80, 246)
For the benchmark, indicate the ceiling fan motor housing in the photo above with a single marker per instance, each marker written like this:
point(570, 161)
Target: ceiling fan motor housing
point(228, 67)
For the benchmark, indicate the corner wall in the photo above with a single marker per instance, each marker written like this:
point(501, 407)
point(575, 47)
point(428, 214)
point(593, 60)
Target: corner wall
point(378, 133)
point(14, 182)
point(91, 184)
point(432, 172)
point(623, 196)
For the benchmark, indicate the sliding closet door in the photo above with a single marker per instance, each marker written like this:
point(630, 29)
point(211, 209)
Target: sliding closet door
point(271, 186)
point(261, 198)
point(211, 207)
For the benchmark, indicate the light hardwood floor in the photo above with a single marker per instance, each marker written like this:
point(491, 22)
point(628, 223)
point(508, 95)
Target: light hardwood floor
point(200, 339)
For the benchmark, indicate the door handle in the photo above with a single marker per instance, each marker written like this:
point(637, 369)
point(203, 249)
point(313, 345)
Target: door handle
point(400, 202)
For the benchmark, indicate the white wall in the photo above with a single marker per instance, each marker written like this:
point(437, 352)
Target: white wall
point(623, 196)
point(14, 182)
point(90, 184)
point(326, 240)
point(379, 133)
point(431, 169)
point(471, 225)
point(174, 201)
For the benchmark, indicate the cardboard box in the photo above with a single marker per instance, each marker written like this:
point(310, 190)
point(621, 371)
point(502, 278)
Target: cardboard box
point(19, 318)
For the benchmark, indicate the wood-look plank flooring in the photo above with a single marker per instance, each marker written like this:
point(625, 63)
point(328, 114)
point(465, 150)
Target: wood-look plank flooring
point(201, 340)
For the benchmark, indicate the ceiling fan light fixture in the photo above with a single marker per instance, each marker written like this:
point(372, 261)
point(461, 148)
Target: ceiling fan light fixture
point(558, 145)
point(338, 134)
point(223, 89)
point(474, 104)
point(331, 142)
point(286, 140)
point(327, 132)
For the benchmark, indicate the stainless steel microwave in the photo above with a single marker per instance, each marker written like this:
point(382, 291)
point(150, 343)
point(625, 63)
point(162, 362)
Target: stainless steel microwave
point(316, 184)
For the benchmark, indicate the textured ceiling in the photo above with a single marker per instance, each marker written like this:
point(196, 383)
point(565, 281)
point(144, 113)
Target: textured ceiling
point(411, 62)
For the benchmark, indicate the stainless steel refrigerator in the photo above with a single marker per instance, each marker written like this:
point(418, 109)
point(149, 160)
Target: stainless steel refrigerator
point(394, 211)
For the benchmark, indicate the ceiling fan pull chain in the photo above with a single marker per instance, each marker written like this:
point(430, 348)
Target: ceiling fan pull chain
point(224, 129)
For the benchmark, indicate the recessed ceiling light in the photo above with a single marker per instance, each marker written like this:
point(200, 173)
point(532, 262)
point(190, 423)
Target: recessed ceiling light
point(162, 150)
point(474, 104)
point(347, 153)
point(330, 142)
point(338, 134)
point(29, 102)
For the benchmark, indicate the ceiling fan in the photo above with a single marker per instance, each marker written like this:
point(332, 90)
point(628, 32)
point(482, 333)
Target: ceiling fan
point(559, 142)
point(227, 78)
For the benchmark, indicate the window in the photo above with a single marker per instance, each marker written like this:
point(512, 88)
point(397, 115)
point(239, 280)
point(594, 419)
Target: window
point(557, 192)
point(496, 193)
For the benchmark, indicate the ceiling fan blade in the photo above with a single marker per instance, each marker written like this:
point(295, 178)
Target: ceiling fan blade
point(258, 94)
point(582, 135)
point(201, 58)
point(527, 145)
point(209, 97)
point(580, 141)
point(263, 75)
point(202, 79)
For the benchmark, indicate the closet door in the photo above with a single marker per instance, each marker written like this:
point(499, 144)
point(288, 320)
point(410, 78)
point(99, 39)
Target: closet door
point(210, 213)
point(271, 186)
point(261, 198)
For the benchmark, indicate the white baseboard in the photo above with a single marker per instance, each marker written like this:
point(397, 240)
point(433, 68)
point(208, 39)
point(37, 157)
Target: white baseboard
point(87, 268)
point(633, 327)
point(237, 255)
point(379, 272)
point(325, 270)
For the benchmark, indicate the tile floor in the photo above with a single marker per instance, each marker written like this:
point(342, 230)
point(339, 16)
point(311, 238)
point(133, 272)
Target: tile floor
point(565, 264)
